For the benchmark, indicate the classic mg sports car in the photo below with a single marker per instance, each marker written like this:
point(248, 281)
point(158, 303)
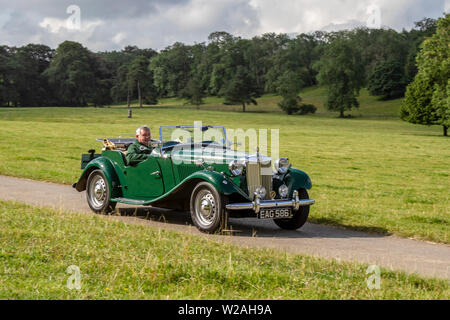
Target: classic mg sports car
point(202, 175)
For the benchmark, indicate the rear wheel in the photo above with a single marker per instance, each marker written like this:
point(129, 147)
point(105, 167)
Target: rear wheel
point(300, 216)
point(208, 210)
point(98, 194)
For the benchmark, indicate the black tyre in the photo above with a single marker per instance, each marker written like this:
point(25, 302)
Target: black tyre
point(98, 193)
point(300, 216)
point(208, 208)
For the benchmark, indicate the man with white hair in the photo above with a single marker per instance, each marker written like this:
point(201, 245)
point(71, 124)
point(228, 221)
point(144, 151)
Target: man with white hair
point(141, 148)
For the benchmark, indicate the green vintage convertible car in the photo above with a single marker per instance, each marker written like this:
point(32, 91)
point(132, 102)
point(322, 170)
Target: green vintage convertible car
point(195, 169)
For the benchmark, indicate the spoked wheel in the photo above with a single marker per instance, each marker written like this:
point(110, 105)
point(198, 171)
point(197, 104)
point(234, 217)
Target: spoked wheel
point(97, 193)
point(300, 216)
point(208, 211)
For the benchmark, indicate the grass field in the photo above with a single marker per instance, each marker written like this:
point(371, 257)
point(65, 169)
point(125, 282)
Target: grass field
point(370, 106)
point(371, 172)
point(120, 260)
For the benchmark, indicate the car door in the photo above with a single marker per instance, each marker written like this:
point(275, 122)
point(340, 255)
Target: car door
point(144, 180)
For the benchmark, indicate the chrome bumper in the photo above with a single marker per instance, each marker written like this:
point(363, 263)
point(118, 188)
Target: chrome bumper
point(257, 203)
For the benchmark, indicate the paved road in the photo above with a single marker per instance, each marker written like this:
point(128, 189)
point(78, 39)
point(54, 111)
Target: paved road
point(412, 256)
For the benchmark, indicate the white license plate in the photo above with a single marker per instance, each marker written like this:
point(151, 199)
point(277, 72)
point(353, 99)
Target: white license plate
point(275, 213)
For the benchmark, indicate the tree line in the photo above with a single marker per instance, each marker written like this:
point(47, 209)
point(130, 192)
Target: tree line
point(237, 69)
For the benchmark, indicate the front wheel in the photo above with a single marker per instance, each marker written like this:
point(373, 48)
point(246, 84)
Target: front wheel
point(300, 216)
point(97, 193)
point(208, 210)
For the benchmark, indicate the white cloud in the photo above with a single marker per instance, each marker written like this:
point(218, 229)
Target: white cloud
point(296, 16)
point(191, 16)
point(52, 25)
point(4, 17)
point(206, 16)
point(55, 25)
point(119, 38)
point(112, 24)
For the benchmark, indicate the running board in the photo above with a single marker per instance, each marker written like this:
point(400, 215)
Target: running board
point(129, 201)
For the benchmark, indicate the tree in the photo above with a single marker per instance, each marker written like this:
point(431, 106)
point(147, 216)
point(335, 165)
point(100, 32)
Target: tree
point(103, 81)
point(134, 52)
point(262, 55)
point(117, 63)
point(141, 77)
point(137, 74)
point(102, 94)
point(72, 74)
point(241, 89)
point(172, 69)
point(193, 92)
point(297, 55)
point(423, 29)
point(427, 97)
point(290, 104)
point(387, 80)
point(288, 86)
point(341, 71)
point(230, 56)
point(120, 87)
point(232, 76)
point(32, 87)
point(8, 67)
point(220, 38)
point(379, 46)
point(416, 107)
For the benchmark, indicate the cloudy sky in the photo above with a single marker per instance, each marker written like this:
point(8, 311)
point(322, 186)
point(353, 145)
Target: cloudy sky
point(113, 24)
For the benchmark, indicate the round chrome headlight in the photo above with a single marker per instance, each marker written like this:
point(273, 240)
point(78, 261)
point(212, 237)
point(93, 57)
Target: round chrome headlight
point(261, 191)
point(236, 167)
point(283, 191)
point(282, 165)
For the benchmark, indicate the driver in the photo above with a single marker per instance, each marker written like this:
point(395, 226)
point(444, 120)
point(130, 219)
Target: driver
point(140, 149)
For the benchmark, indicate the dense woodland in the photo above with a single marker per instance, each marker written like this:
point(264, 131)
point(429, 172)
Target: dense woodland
point(239, 70)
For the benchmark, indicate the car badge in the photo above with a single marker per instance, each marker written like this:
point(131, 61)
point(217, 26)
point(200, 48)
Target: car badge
point(272, 194)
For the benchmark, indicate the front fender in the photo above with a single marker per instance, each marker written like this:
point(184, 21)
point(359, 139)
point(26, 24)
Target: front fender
point(107, 168)
point(296, 179)
point(222, 183)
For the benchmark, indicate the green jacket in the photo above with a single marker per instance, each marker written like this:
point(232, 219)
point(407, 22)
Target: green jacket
point(137, 152)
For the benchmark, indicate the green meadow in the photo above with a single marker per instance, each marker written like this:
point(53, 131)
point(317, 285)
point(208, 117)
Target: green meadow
point(370, 172)
point(119, 260)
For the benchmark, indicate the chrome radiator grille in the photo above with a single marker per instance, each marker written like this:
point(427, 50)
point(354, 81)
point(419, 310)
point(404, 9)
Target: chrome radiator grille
point(259, 174)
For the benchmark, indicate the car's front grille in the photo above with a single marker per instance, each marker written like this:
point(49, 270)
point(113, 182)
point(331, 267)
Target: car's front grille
point(259, 174)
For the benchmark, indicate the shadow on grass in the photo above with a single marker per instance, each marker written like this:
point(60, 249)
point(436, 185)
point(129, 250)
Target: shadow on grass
point(224, 109)
point(253, 227)
point(425, 135)
point(143, 107)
